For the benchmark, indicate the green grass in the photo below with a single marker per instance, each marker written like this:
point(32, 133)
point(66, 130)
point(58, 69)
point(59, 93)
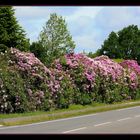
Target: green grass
point(118, 60)
point(73, 110)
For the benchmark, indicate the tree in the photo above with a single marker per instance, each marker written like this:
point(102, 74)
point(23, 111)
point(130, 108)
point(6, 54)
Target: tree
point(93, 55)
point(11, 33)
point(55, 39)
point(38, 50)
point(129, 42)
point(123, 44)
point(110, 46)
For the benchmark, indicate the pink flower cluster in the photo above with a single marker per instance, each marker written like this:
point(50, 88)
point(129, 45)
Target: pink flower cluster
point(72, 79)
point(27, 62)
point(133, 80)
point(107, 68)
point(102, 66)
point(132, 64)
point(133, 70)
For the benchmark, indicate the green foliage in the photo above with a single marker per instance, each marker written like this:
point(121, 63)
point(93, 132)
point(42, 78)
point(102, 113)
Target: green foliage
point(137, 94)
point(80, 96)
point(54, 40)
point(38, 50)
point(12, 96)
point(118, 60)
point(85, 99)
point(27, 85)
point(106, 91)
point(77, 74)
point(11, 33)
point(129, 41)
point(93, 55)
point(65, 93)
point(110, 47)
point(22, 91)
point(123, 44)
point(19, 91)
point(3, 48)
point(63, 61)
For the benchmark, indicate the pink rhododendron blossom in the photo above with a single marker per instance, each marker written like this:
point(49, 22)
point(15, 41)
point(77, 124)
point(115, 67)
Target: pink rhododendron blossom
point(132, 64)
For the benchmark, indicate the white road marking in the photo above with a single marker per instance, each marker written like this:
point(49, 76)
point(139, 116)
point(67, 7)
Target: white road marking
point(102, 124)
point(127, 108)
point(75, 129)
point(137, 116)
point(124, 119)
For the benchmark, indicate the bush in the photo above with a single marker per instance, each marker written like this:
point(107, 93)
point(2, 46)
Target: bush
point(12, 92)
point(3, 48)
point(26, 84)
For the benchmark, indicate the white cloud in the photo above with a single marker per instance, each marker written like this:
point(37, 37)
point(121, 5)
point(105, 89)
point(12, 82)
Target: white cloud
point(82, 17)
point(86, 42)
point(89, 26)
point(83, 12)
point(33, 18)
point(30, 13)
point(116, 18)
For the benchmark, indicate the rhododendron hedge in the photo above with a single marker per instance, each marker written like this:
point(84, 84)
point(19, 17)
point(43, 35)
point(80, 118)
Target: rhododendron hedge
point(26, 84)
point(99, 79)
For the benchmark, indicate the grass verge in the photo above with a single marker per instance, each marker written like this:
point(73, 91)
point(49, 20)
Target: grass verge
point(72, 111)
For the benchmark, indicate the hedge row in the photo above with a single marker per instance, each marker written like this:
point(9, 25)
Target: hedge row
point(26, 84)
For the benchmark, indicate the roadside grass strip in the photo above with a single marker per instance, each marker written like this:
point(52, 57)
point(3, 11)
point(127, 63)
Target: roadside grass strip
point(28, 118)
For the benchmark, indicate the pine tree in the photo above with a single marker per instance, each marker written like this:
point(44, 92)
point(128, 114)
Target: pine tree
point(11, 33)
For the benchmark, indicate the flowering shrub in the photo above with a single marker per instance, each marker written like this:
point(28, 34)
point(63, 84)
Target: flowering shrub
point(27, 62)
point(12, 98)
point(65, 89)
point(100, 65)
point(132, 64)
point(99, 79)
point(40, 80)
point(133, 77)
point(133, 72)
point(26, 84)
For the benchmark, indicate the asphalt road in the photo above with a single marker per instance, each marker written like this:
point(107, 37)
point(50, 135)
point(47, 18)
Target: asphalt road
point(121, 121)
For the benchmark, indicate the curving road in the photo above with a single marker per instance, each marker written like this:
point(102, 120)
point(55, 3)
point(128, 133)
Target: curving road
point(121, 121)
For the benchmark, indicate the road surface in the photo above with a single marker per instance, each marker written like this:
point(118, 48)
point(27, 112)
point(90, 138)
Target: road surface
point(121, 121)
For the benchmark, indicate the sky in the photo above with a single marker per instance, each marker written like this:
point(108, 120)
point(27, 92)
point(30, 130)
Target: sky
point(88, 25)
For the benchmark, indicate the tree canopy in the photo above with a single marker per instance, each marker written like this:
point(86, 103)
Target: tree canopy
point(11, 33)
point(55, 39)
point(123, 44)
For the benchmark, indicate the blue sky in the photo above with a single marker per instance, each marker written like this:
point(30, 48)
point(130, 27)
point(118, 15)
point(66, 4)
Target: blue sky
point(88, 25)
